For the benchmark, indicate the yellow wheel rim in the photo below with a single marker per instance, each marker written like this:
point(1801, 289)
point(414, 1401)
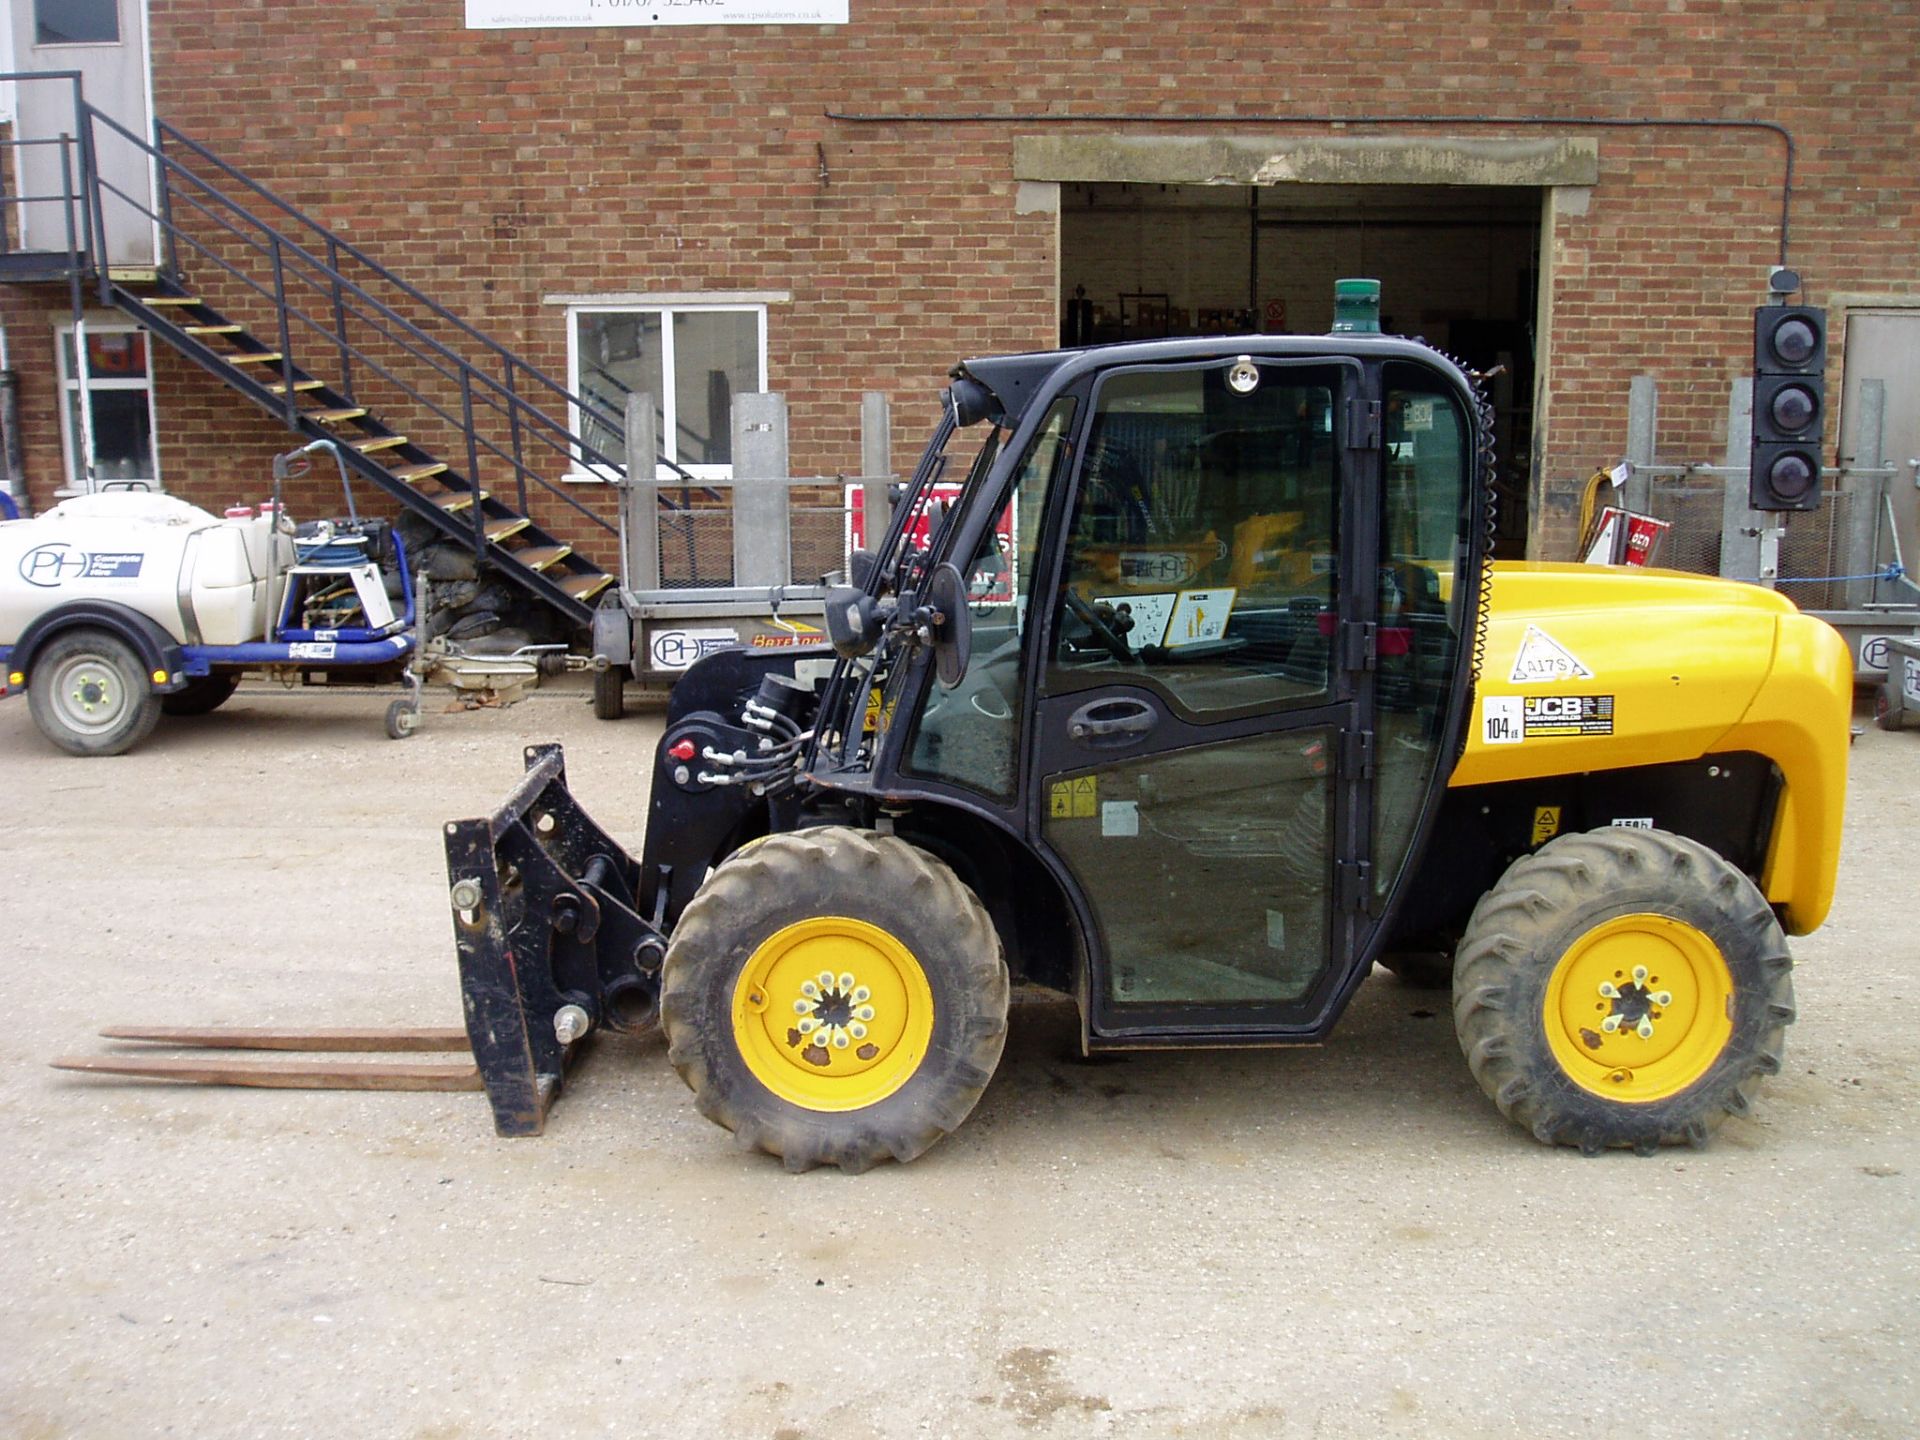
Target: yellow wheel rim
point(833, 1014)
point(1639, 1008)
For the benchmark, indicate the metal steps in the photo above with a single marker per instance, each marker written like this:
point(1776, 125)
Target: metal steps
point(509, 539)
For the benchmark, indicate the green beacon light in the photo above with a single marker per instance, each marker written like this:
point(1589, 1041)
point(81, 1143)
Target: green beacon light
point(1356, 307)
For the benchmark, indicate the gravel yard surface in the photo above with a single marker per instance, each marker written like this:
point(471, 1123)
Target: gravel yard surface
point(1321, 1242)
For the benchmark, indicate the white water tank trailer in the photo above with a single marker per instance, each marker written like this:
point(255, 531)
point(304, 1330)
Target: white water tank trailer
point(117, 607)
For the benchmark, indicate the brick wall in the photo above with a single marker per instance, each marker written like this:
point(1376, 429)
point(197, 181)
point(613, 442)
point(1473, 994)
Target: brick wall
point(497, 167)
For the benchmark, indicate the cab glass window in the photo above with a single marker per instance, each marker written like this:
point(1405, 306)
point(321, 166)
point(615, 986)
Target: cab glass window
point(1202, 546)
point(1428, 441)
point(970, 735)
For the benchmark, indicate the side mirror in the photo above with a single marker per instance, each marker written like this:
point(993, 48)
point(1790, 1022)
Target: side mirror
point(949, 622)
point(853, 621)
point(969, 402)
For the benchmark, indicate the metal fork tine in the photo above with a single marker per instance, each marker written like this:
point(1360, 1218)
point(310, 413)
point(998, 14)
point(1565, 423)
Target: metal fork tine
point(244, 1037)
point(282, 1074)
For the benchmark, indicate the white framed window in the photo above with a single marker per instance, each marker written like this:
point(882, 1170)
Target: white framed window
point(76, 22)
point(692, 358)
point(119, 401)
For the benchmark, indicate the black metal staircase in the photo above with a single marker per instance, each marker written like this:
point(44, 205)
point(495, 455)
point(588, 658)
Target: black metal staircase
point(317, 333)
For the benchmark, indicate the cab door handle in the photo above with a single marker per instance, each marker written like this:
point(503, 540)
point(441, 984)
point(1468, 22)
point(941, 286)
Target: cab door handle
point(1108, 719)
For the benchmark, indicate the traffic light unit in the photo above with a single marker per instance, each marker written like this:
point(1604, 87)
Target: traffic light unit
point(1789, 407)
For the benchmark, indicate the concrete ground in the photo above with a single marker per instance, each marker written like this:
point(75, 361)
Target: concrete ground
point(1330, 1242)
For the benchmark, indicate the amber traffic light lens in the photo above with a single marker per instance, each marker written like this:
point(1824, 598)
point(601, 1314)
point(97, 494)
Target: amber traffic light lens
point(1794, 408)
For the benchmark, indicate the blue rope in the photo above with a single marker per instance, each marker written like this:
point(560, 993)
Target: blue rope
point(1893, 571)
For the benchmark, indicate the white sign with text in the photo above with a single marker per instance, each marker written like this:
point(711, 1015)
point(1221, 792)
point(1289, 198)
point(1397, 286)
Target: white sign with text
point(544, 14)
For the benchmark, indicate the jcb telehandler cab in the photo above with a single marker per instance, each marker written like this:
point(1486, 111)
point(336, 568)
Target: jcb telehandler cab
point(1182, 685)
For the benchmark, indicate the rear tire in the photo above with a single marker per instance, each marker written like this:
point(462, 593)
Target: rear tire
point(888, 962)
point(610, 693)
point(203, 695)
point(1622, 988)
point(89, 694)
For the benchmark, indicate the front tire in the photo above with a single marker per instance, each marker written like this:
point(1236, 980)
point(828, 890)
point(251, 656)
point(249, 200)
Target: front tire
point(1622, 989)
point(89, 694)
point(835, 997)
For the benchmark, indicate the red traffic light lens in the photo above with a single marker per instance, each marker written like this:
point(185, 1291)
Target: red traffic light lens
point(1795, 341)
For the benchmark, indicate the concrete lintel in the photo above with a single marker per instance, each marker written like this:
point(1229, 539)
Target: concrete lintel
point(674, 297)
point(1312, 160)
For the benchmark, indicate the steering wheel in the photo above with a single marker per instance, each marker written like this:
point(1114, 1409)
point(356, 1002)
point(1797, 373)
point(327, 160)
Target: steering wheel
point(1108, 637)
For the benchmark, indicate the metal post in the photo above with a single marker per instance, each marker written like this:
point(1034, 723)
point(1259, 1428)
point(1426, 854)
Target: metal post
point(762, 552)
point(876, 465)
point(1866, 487)
point(82, 371)
point(292, 399)
point(168, 258)
point(473, 463)
point(640, 500)
point(1739, 526)
point(340, 320)
point(90, 185)
point(513, 429)
point(1643, 415)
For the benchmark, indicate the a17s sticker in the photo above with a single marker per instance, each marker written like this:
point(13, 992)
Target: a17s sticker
point(1502, 720)
point(1543, 659)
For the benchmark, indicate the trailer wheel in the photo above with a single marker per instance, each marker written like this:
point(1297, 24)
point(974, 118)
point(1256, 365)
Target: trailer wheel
point(402, 719)
point(89, 694)
point(1622, 989)
point(610, 693)
point(204, 694)
point(835, 997)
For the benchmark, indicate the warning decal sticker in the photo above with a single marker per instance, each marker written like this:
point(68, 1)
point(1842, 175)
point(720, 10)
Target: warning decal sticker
point(1146, 616)
point(1543, 659)
point(1074, 799)
point(1199, 616)
point(1510, 719)
point(1568, 715)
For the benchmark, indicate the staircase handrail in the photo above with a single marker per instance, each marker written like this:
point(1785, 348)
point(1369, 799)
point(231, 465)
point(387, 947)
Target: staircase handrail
point(502, 397)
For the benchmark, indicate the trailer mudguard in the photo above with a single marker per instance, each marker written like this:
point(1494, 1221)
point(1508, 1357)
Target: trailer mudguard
point(160, 654)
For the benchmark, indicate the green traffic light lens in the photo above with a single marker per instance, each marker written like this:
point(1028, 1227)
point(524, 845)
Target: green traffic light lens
point(1790, 477)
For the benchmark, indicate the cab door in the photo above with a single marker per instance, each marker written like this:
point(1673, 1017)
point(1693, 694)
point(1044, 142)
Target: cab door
point(1206, 695)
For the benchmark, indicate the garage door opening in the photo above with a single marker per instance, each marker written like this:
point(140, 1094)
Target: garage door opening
point(1458, 266)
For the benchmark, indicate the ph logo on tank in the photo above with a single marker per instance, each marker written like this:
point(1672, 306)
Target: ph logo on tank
point(53, 565)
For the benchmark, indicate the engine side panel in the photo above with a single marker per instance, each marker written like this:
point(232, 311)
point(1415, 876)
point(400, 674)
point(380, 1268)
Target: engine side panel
point(1591, 669)
point(1728, 802)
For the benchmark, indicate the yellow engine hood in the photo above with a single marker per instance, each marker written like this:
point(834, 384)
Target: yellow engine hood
point(1599, 668)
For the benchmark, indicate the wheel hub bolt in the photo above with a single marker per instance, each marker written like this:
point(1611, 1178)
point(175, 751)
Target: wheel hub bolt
point(833, 1009)
point(1636, 1007)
